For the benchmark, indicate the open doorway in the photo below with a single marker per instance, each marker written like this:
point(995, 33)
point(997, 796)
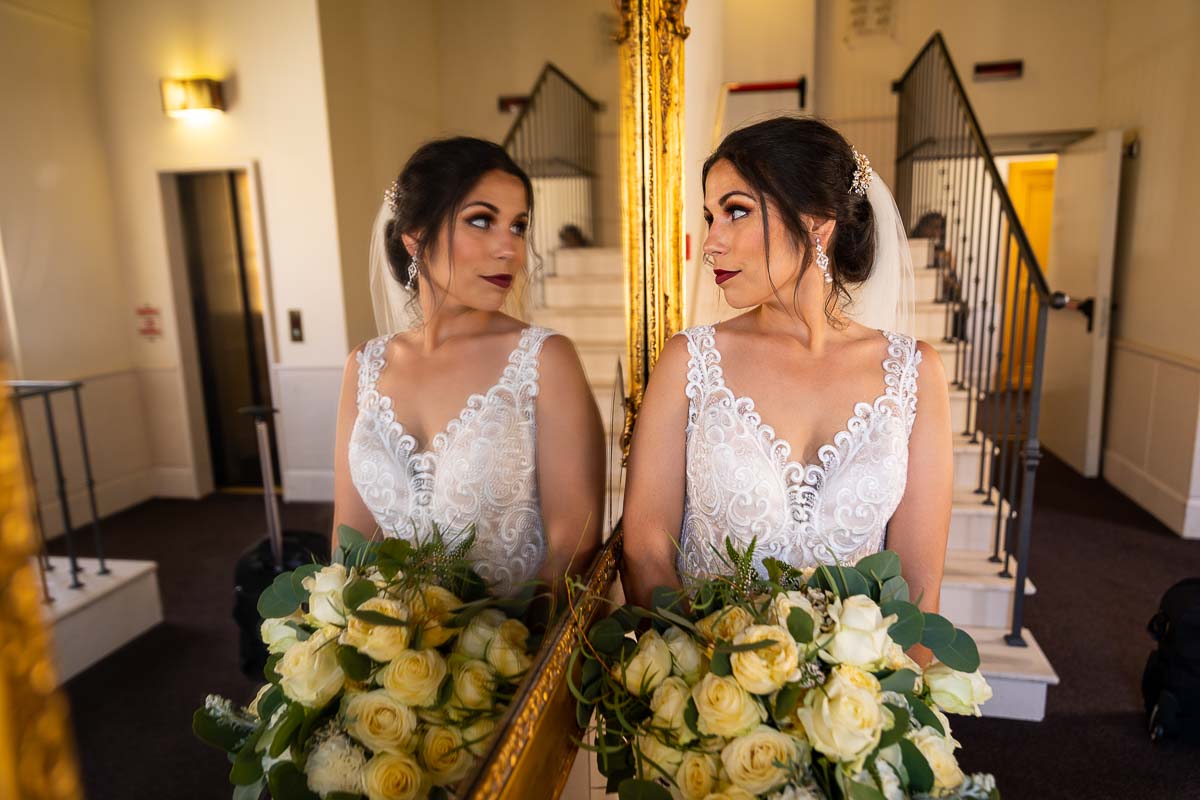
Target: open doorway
point(223, 265)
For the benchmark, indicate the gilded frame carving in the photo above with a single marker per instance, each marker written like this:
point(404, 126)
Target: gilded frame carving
point(533, 753)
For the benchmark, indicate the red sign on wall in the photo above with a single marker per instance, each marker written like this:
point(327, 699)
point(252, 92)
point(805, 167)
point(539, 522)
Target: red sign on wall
point(149, 322)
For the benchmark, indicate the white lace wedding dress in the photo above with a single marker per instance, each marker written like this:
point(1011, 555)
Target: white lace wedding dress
point(741, 483)
point(480, 470)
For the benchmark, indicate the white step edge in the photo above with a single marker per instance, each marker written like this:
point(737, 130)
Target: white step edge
point(1019, 676)
point(974, 593)
point(107, 612)
point(973, 524)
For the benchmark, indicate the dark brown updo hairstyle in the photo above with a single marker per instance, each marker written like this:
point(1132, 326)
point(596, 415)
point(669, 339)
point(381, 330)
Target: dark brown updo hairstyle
point(432, 188)
point(806, 167)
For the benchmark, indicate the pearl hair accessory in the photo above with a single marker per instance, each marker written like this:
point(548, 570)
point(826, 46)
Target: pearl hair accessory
point(392, 196)
point(862, 174)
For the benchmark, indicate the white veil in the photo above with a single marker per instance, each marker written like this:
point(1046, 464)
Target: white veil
point(886, 300)
point(396, 308)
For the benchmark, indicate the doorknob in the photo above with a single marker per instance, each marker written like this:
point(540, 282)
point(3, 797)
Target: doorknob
point(1087, 306)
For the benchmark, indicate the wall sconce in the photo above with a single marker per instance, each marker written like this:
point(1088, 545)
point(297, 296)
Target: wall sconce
point(191, 97)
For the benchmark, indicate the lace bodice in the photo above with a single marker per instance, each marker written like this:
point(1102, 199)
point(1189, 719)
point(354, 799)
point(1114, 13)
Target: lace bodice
point(480, 470)
point(741, 482)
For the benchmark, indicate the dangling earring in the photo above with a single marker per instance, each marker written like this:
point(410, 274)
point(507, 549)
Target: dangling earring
point(823, 261)
point(412, 272)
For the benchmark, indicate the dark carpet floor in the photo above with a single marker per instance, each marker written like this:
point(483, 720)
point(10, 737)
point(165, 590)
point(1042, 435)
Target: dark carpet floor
point(1100, 565)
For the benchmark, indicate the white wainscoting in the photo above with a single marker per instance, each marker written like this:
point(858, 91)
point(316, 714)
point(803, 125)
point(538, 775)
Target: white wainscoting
point(308, 402)
point(1151, 448)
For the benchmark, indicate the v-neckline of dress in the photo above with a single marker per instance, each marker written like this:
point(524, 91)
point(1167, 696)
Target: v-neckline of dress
point(437, 444)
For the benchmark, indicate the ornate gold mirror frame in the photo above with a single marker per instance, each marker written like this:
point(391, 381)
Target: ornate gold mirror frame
point(536, 746)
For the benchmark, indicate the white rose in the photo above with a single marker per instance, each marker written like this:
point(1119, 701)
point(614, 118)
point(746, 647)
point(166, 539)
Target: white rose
point(309, 672)
point(782, 605)
point(335, 765)
point(889, 781)
point(668, 705)
point(278, 635)
point(445, 756)
point(432, 607)
point(648, 667)
point(686, 659)
point(380, 721)
point(957, 692)
point(752, 761)
point(482, 628)
point(725, 624)
point(860, 634)
point(325, 606)
point(478, 735)
point(696, 776)
point(845, 719)
point(414, 677)
point(725, 708)
point(507, 652)
point(659, 758)
point(940, 754)
point(394, 776)
point(766, 669)
point(380, 642)
point(474, 684)
point(258, 698)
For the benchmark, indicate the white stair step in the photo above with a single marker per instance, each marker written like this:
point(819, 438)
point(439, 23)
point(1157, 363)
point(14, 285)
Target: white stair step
point(926, 282)
point(973, 593)
point(929, 320)
point(1019, 676)
point(588, 261)
point(102, 615)
point(972, 524)
point(922, 252)
point(959, 401)
point(600, 359)
point(585, 290)
point(601, 324)
point(966, 463)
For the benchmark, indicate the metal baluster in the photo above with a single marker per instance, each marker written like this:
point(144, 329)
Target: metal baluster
point(993, 355)
point(91, 483)
point(1002, 438)
point(62, 494)
point(1020, 411)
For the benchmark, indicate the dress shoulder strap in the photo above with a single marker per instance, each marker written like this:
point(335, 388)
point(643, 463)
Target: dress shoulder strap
point(900, 373)
point(523, 364)
point(371, 360)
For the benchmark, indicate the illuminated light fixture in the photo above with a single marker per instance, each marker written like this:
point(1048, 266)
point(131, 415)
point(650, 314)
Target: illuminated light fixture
point(191, 97)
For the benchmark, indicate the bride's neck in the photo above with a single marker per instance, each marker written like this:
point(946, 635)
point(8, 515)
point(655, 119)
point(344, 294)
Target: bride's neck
point(805, 321)
point(451, 321)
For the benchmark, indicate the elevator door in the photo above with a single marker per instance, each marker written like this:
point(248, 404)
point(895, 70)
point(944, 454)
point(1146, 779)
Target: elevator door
point(223, 266)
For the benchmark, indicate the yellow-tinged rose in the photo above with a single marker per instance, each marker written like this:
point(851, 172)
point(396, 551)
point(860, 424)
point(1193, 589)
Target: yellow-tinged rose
point(668, 705)
point(725, 708)
point(394, 776)
point(697, 775)
point(474, 684)
point(432, 607)
point(757, 761)
point(649, 665)
point(478, 735)
point(480, 631)
point(309, 672)
point(940, 754)
point(845, 719)
point(445, 755)
point(325, 606)
point(725, 624)
point(278, 635)
point(860, 633)
point(659, 759)
point(380, 721)
point(730, 793)
point(380, 642)
point(335, 765)
point(507, 652)
point(414, 677)
point(957, 692)
point(782, 605)
point(686, 659)
point(766, 669)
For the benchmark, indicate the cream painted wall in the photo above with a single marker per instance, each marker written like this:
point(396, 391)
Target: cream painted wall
point(66, 315)
point(1151, 85)
point(276, 119)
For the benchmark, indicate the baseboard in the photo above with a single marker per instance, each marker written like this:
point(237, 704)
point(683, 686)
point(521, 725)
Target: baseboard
point(176, 482)
point(308, 485)
point(1180, 514)
point(113, 495)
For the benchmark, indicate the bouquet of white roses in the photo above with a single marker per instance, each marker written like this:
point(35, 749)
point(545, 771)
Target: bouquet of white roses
point(387, 673)
point(793, 686)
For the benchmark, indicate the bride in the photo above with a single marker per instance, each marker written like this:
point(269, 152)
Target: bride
point(466, 416)
point(743, 432)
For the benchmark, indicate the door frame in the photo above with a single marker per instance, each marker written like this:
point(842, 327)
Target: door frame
point(190, 385)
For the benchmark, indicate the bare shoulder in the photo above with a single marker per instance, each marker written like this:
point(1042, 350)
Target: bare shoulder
point(931, 371)
point(558, 351)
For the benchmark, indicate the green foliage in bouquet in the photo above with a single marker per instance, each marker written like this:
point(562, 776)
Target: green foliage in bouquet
point(387, 672)
point(793, 685)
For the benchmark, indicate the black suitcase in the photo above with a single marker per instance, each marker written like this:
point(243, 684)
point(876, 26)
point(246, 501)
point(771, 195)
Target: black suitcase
point(281, 551)
point(1171, 680)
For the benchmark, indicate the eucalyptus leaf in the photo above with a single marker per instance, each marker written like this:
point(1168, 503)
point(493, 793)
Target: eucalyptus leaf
point(893, 589)
point(269, 668)
point(356, 665)
point(691, 716)
point(924, 715)
point(960, 654)
point(900, 718)
point(800, 625)
point(286, 782)
point(247, 767)
point(909, 625)
point(283, 734)
point(269, 702)
point(746, 647)
point(358, 591)
point(920, 775)
point(863, 791)
point(902, 680)
point(639, 789)
point(378, 618)
point(219, 733)
point(348, 537)
point(297, 580)
point(279, 599)
point(666, 597)
point(606, 635)
point(880, 566)
point(720, 664)
point(938, 631)
point(786, 700)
